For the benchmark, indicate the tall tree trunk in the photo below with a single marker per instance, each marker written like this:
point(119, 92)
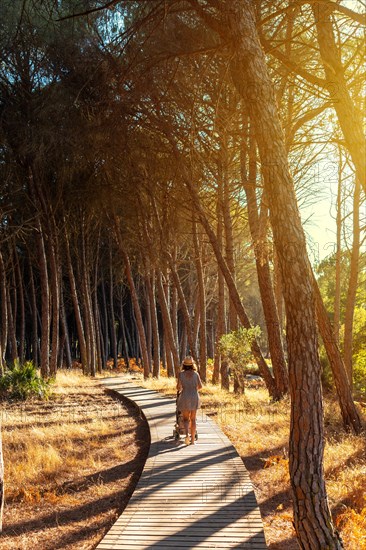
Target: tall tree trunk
point(260, 243)
point(148, 321)
point(184, 310)
point(229, 239)
point(174, 314)
point(111, 312)
point(170, 343)
point(135, 302)
point(349, 116)
point(45, 299)
point(220, 366)
point(34, 309)
point(312, 518)
point(4, 314)
point(11, 328)
point(20, 292)
point(124, 337)
point(154, 323)
point(88, 309)
point(105, 323)
point(55, 298)
point(65, 330)
point(350, 415)
point(229, 255)
point(95, 309)
point(352, 284)
point(201, 305)
point(196, 324)
point(168, 340)
point(77, 313)
point(337, 290)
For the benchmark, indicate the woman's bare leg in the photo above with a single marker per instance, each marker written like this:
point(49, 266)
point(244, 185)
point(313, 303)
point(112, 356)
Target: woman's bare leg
point(193, 425)
point(186, 419)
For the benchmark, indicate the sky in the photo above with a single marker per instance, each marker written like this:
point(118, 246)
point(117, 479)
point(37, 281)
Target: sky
point(320, 229)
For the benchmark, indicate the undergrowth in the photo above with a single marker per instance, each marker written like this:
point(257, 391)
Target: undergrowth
point(21, 381)
point(259, 430)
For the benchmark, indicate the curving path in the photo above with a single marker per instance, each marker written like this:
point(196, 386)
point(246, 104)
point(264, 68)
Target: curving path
point(197, 496)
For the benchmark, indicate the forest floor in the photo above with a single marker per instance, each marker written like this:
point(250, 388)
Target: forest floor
point(71, 465)
point(259, 430)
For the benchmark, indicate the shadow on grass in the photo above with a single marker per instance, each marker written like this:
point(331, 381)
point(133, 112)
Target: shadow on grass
point(101, 512)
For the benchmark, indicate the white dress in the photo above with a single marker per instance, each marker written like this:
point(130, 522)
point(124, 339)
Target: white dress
point(188, 399)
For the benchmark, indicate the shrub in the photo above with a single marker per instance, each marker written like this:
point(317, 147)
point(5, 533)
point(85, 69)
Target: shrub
point(326, 373)
point(359, 373)
point(23, 382)
point(236, 346)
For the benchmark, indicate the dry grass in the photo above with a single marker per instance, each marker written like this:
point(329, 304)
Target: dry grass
point(260, 430)
point(71, 464)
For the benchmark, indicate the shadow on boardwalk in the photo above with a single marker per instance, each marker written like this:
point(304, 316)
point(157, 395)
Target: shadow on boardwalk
point(196, 496)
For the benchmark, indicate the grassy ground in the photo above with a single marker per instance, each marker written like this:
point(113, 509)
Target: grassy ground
point(260, 430)
point(71, 464)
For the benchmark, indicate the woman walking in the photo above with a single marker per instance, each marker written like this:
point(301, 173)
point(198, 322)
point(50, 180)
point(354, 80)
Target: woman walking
point(189, 383)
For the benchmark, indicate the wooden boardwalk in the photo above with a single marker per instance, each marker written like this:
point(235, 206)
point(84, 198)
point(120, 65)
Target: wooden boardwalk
point(196, 496)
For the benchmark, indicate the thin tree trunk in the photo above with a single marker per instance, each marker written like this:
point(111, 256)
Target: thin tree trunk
point(352, 285)
point(34, 309)
point(101, 341)
point(4, 313)
point(88, 310)
point(201, 305)
point(45, 294)
point(337, 290)
point(263, 271)
point(170, 343)
point(136, 305)
point(220, 366)
point(111, 312)
point(77, 313)
point(20, 293)
point(229, 241)
point(11, 328)
point(105, 322)
point(174, 314)
point(96, 314)
point(349, 116)
point(124, 337)
point(148, 320)
point(65, 331)
point(350, 415)
point(196, 323)
point(55, 296)
point(184, 310)
point(154, 324)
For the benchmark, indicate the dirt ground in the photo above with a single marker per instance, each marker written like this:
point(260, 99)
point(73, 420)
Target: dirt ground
point(72, 464)
point(74, 507)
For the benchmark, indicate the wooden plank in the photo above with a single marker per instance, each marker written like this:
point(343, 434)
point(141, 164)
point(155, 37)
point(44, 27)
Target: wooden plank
point(196, 496)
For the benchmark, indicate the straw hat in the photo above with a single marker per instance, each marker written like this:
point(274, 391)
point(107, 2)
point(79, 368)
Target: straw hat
point(188, 361)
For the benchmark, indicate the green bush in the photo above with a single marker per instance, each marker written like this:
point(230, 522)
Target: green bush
point(359, 373)
point(326, 373)
point(236, 347)
point(22, 382)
